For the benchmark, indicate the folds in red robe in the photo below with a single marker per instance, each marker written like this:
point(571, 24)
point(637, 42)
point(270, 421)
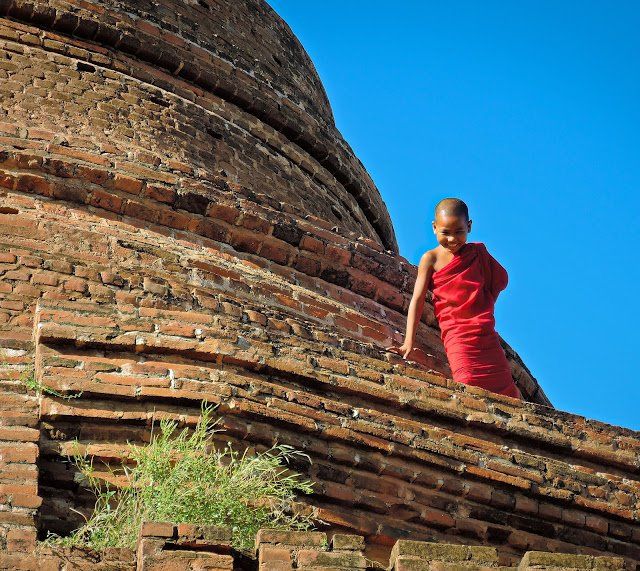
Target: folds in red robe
point(464, 295)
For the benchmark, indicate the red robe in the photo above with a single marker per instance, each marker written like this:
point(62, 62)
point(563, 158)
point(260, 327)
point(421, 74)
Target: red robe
point(464, 295)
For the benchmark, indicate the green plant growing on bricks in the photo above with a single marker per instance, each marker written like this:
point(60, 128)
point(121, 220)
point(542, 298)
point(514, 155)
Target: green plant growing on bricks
point(180, 477)
point(28, 379)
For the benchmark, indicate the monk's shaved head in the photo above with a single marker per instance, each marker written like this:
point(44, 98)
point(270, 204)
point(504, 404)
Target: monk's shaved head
point(452, 207)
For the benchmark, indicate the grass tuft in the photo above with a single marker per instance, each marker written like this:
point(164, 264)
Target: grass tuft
point(180, 477)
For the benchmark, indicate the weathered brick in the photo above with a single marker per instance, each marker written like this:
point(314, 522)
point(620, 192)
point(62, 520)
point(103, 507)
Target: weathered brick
point(33, 183)
point(223, 212)
point(75, 284)
point(277, 252)
point(347, 542)
point(21, 540)
point(79, 154)
point(157, 529)
point(127, 184)
point(160, 193)
point(92, 175)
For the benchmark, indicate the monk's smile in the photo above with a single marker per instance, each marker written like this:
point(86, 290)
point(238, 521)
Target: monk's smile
point(451, 231)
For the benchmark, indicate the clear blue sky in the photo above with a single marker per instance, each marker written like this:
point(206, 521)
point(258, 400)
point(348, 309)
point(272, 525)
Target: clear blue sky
point(530, 112)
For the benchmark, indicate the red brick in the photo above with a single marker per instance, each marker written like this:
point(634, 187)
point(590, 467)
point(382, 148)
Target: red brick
point(12, 305)
point(269, 554)
point(253, 222)
point(41, 134)
point(92, 175)
point(345, 323)
point(596, 524)
point(160, 193)
point(26, 501)
point(25, 488)
point(526, 504)
point(101, 199)
point(179, 166)
point(312, 245)
point(308, 266)
point(26, 290)
point(390, 297)
point(255, 317)
point(279, 325)
point(146, 173)
point(337, 255)
point(31, 261)
point(59, 168)
point(178, 220)
point(59, 266)
point(35, 184)
point(79, 154)
point(223, 212)
point(364, 285)
point(549, 511)
point(113, 278)
point(499, 477)
point(9, 128)
point(157, 529)
point(75, 284)
point(278, 253)
point(148, 158)
point(213, 230)
point(140, 210)
point(19, 434)
point(179, 329)
point(21, 540)
point(573, 517)
point(70, 192)
point(303, 538)
point(14, 518)
point(45, 278)
point(127, 184)
point(245, 241)
point(8, 180)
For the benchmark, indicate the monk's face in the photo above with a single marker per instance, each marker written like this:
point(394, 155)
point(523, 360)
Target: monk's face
point(451, 230)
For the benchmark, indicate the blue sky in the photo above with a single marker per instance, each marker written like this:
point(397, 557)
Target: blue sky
point(530, 112)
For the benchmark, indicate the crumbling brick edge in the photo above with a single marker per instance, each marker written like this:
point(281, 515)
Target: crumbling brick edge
point(163, 545)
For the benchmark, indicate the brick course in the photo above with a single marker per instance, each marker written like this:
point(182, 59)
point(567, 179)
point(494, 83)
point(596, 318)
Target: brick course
point(163, 546)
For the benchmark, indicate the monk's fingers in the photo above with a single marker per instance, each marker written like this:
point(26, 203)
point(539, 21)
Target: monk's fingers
point(396, 349)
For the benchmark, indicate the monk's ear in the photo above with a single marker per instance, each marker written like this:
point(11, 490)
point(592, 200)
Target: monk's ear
point(469, 225)
point(433, 225)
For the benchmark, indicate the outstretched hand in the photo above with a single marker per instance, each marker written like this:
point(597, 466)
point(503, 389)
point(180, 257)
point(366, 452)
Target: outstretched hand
point(404, 350)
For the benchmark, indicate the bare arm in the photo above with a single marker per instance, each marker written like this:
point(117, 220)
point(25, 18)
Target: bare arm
point(425, 269)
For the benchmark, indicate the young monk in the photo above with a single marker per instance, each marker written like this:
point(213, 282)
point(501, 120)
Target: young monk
point(465, 280)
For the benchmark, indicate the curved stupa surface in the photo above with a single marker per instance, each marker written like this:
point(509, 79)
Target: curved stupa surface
point(181, 221)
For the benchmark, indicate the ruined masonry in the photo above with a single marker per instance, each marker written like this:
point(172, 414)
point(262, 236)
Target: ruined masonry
point(181, 221)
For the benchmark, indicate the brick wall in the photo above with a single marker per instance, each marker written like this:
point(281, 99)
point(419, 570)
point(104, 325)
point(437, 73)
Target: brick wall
point(422, 456)
point(180, 221)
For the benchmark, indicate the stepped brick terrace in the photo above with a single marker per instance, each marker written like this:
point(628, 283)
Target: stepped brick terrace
point(181, 221)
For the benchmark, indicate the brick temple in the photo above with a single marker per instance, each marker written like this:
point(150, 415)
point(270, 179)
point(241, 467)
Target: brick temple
point(181, 221)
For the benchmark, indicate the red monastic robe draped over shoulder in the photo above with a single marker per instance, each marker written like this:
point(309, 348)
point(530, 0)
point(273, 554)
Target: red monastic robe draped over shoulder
point(464, 295)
